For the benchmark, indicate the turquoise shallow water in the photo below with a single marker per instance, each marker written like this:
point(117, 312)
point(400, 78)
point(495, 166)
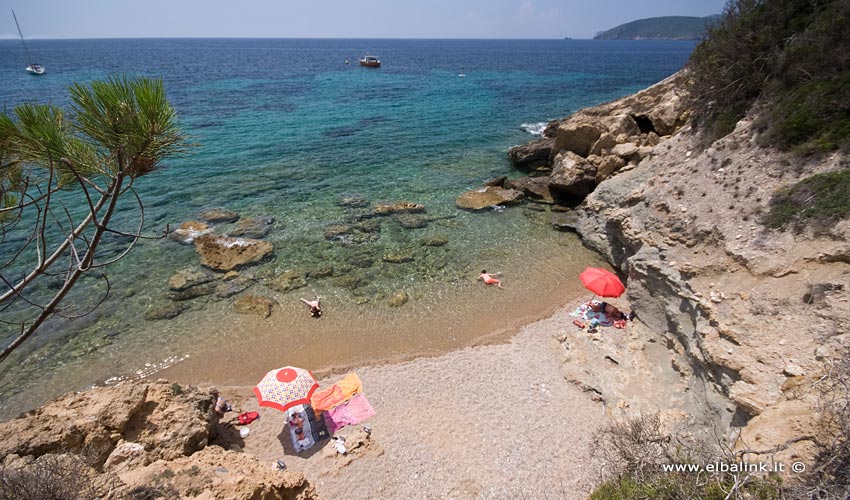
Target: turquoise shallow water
point(285, 129)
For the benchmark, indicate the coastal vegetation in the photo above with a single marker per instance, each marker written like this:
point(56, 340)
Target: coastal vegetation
point(659, 28)
point(819, 201)
point(788, 57)
point(62, 177)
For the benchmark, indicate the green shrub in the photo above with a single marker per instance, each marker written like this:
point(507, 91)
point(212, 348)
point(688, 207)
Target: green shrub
point(819, 199)
point(790, 54)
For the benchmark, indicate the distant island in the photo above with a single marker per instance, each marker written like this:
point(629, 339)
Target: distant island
point(660, 28)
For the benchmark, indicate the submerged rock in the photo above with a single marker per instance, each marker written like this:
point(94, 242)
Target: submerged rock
point(435, 240)
point(223, 253)
point(257, 227)
point(397, 208)
point(398, 257)
point(411, 221)
point(486, 197)
point(254, 304)
point(354, 202)
point(398, 298)
point(167, 311)
point(218, 216)
point(189, 277)
point(233, 286)
point(288, 281)
point(337, 231)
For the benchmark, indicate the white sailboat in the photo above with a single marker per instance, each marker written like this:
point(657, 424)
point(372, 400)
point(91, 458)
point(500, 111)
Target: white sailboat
point(32, 68)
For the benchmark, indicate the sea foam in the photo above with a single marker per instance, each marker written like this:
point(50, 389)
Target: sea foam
point(534, 128)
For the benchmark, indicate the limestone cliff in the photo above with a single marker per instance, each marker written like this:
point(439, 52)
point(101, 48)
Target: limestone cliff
point(735, 320)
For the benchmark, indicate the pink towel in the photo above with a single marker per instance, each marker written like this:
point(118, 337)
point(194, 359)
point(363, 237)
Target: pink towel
point(356, 410)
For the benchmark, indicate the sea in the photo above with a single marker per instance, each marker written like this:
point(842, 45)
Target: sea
point(295, 131)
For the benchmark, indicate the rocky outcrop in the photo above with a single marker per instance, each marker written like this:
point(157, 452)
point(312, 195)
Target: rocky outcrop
point(142, 435)
point(728, 298)
point(222, 253)
point(533, 154)
point(486, 197)
point(594, 144)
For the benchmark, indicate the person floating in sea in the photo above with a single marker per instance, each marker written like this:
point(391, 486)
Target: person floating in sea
point(489, 278)
point(315, 307)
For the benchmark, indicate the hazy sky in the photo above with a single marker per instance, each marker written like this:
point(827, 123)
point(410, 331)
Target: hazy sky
point(335, 18)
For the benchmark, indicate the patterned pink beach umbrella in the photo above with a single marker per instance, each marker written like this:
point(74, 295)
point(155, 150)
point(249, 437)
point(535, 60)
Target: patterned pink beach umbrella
point(286, 387)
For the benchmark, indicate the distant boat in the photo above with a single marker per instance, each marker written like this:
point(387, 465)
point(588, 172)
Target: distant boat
point(32, 68)
point(370, 62)
point(461, 75)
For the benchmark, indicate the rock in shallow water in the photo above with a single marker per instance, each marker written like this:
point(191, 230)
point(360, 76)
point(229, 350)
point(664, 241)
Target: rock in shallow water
point(257, 227)
point(480, 199)
point(218, 216)
point(254, 304)
point(398, 298)
point(188, 231)
point(224, 254)
point(167, 311)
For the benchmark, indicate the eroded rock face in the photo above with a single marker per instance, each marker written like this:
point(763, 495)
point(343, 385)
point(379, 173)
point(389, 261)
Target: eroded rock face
point(532, 154)
point(533, 187)
point(222, 253)
point(725, 296)
point(141, 435)
point(573, 175)
point(168, 423)
point(480, 199)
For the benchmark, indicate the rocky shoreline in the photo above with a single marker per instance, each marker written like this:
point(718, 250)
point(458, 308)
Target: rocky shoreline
point(736, 321)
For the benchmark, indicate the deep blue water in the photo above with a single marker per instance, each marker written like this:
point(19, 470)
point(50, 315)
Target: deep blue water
point(284, 128)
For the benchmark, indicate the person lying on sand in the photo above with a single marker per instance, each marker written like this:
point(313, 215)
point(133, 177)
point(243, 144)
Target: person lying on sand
point(488, 278)
point(610, 310)
point(315, 307)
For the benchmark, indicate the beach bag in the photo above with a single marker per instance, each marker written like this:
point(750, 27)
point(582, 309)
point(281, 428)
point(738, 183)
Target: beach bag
point(248, 417)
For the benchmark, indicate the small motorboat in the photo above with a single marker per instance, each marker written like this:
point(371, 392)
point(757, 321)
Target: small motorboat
point(370, 62)
point(36, 69)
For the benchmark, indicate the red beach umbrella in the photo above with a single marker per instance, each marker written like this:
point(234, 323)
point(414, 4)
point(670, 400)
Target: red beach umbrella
point(601, 282)
point(286, 387)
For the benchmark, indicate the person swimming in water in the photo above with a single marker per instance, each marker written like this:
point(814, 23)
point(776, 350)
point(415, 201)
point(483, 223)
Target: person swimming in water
point(315, 307)
point(489, 279)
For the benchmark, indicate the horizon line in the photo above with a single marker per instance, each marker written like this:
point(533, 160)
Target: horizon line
point(566, 38)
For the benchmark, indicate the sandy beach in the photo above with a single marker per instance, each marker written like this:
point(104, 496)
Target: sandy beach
point(493, 421)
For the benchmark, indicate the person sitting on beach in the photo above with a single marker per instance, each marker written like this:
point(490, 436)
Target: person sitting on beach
point(315, 307)
point(488, 278)
point(221, 407)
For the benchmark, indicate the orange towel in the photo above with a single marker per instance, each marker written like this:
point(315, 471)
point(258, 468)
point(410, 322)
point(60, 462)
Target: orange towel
point(336, 394)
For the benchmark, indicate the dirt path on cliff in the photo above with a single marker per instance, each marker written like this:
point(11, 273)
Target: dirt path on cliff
point(497, 421)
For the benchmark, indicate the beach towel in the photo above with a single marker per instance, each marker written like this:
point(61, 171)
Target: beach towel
point(356, 410)
point(585, 312)
point(305, 429)
point(336, 394)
